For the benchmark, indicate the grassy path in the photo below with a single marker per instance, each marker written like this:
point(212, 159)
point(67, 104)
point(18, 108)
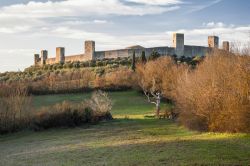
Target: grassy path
point(132, 141)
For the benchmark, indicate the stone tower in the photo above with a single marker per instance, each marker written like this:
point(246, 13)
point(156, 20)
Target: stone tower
point(225, 45)
point(36, 59)
point(90, 50)
point(44, 56)
point(213, 41)
point(60, 55)
point(178, 44)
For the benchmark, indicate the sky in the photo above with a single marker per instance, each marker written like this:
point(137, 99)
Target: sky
point(26, 27)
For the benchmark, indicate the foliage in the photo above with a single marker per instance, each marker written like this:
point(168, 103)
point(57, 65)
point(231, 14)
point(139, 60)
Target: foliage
point(69, 114)
point(100, 102)
point(154, 55)
point(215, 96)
point(15, 108)
point(133, 61)
point(143, 58)
point(160, 75)
point(16, 113)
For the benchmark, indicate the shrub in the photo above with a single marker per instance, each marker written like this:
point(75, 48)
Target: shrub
point(100, 102)
point(215, 96)
point(62, 115)
point(154, 55)
point(160, 75)
point(70, 115)
point(120, 78)
point(15, 108)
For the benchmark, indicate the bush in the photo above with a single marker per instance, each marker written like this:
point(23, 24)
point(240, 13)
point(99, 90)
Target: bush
point(215, 96)
point(154, 55)
point(70, 115)
point(160, 75)
point(15, 108)
point(62, 115)
point(100, 102)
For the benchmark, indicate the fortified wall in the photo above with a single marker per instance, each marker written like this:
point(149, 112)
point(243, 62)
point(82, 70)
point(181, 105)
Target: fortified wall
point(179, 49)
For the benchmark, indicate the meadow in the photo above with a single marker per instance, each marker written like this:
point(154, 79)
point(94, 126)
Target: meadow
point(132, 138)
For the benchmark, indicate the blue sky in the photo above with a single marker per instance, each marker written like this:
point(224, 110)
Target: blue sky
point(27, 26)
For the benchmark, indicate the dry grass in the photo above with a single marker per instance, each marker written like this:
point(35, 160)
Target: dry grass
point(15, 108)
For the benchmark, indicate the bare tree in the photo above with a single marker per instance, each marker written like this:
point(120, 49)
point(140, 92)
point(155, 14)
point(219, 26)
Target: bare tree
point(156, 99)
point(157, 78)
point(153, 95)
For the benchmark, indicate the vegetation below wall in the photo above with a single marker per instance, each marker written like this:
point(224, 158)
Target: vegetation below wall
point(98, 67)
point(17, 113)
point(207, 97)
point(215, 96)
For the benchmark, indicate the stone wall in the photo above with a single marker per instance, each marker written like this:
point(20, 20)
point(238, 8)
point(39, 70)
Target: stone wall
point(50, 61)
point(178, 49)
point(192, 51)
point(112, 54)
point(72, 58)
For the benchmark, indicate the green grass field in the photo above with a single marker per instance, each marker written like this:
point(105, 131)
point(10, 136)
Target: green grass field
point(130, 141)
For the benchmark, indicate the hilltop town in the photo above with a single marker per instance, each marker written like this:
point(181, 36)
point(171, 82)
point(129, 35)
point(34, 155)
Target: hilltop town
point(179, 49)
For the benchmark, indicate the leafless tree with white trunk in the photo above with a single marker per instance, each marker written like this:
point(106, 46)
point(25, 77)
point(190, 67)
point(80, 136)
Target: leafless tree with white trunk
point(153, 97)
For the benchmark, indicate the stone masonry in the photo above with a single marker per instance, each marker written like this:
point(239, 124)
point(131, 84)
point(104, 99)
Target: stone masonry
point(179, 49)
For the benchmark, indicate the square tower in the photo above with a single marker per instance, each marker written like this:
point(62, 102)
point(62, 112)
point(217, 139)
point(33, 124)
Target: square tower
point(44, 56)
point(90, 50)
point(36, 59)
point(213, 41)
point(225, 45)
point(178, 44)
point(60, 55)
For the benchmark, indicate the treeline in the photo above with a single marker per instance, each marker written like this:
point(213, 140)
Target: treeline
point(215, 96)
point(107, 74)
point(35, 73)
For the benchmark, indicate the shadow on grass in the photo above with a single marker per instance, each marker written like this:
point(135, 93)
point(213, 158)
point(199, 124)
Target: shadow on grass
point(125, 142)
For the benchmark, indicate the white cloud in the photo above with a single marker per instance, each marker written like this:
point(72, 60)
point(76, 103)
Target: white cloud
point(196, 8)
point(15, 29)
point(214, 25)
point(80, 8)
point(156, 2)
point(100, 21)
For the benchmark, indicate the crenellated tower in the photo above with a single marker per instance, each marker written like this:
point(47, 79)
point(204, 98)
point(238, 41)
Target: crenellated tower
point(90, 50)
point(213, 41)
point(226, 45)
point(44, 56)
point(178, 44)
point(36, 59)
point(60, 55)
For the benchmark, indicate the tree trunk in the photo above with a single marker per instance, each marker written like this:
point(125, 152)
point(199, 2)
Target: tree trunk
point(157, 113)
point(158, 101)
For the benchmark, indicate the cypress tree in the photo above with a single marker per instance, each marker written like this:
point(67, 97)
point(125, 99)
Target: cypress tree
point(133, 62)
point(143, 57)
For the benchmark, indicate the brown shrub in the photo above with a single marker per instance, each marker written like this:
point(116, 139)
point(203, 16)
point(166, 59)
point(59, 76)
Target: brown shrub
point(121, 77)
point(216, 96)
point(100, 102)
point(68, 114)
point(15, 108)
point(161, 75)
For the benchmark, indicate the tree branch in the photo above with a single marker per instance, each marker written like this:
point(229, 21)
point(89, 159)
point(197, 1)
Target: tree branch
point(149, 98)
